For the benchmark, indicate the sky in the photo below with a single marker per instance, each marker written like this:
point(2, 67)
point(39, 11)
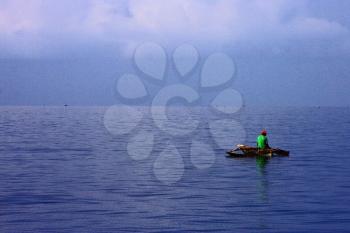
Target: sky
point(287, 52)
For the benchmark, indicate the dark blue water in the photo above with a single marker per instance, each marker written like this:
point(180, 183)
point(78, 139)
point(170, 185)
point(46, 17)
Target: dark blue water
point(62, 171)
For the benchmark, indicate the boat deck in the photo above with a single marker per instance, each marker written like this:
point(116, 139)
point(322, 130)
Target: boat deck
point(248, 151)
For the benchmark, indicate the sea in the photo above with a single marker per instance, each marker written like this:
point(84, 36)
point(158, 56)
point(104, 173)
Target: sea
point(67, 169)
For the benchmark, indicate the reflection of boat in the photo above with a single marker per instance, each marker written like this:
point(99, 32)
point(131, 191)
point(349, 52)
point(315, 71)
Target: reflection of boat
point(248, 151)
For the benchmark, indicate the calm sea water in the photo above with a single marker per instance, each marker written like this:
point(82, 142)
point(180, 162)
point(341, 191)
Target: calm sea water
point(62, 171)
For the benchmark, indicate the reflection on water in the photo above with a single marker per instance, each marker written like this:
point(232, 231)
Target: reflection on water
point(262, 188)
point(261, 162)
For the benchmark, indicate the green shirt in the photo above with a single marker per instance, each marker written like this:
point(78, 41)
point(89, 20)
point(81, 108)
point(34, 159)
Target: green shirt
point(261, 142)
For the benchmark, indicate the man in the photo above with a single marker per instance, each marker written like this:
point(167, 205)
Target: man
point(262, 142)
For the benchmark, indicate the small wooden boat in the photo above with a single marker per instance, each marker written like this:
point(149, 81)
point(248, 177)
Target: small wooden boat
point(248, 151)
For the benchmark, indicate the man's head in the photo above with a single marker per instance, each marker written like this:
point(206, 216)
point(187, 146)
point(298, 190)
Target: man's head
point(264, 132)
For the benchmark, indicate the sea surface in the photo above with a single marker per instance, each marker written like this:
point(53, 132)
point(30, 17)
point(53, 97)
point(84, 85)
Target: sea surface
point(62, 170)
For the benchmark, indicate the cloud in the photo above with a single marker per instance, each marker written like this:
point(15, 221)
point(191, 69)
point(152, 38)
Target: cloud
point(39, 27)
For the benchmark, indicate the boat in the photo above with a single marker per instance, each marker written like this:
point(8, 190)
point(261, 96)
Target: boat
point(249, 151)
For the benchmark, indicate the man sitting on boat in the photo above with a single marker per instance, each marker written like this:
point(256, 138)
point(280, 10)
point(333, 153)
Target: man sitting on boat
point(261, 141)
point(262, 149)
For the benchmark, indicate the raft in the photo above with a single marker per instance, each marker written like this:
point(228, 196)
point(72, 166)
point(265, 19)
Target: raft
point(248, 151)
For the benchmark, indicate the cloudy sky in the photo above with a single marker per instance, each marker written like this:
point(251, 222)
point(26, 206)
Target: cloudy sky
point(287, 52)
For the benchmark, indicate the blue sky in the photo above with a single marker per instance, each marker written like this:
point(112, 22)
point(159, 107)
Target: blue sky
point(288, 52)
